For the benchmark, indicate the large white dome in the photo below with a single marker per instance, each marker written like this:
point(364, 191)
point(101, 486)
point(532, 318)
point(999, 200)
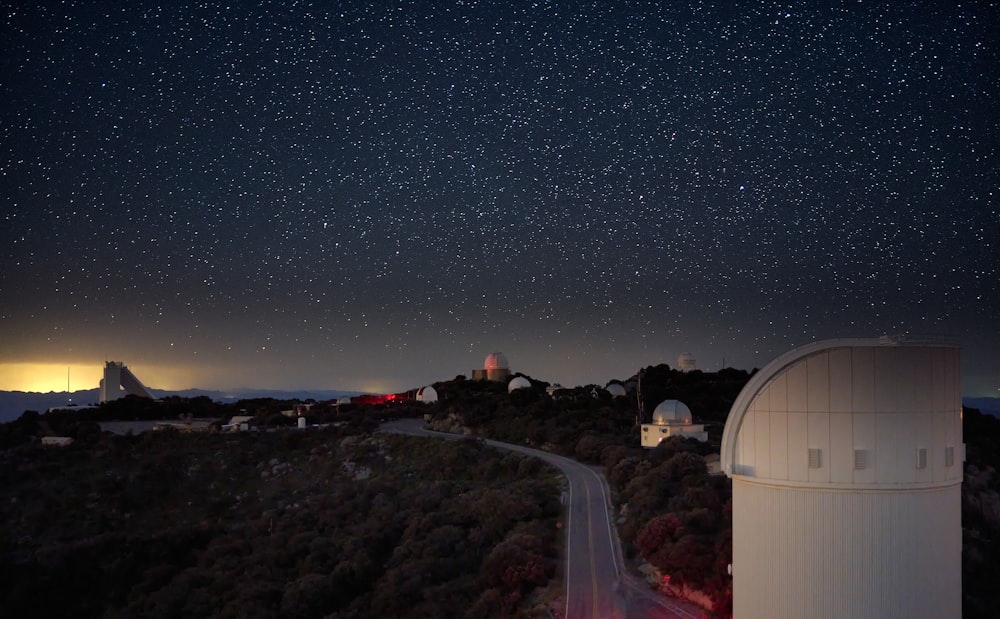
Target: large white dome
point(671, 411)
point(518, 382)
point(495, 361)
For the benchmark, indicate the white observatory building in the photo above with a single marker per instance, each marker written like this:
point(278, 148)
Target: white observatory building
point(495, 368)
point(846, 460)
point(118, 376)
point(686, 362)
point(671, 418)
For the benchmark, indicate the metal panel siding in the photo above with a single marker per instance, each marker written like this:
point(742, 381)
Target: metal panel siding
point(819, 436)
point(798, 439)
point(778, 393)
point(818, 391)
point(863, 373)
point(885, 380)
point(841, 458)
point(762, 452)
point(779, 445)
point(841, 391)
point(864, 438)
point(845, 554)
point(796, 385)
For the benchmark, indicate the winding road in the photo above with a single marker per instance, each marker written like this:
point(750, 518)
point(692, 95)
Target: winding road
point(595, 585)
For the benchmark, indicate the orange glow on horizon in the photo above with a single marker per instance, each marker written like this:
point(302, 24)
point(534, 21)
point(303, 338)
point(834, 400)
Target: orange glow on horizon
point(45, 377)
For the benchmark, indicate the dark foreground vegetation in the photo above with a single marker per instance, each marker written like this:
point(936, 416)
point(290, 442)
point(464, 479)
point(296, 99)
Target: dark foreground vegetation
point(334, 522)
point(342, 522)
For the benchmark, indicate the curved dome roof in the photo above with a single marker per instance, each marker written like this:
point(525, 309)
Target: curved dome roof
point(518, 382)
point(616, 390)
point(495, 361)
point(671, 411)
point(427, 394)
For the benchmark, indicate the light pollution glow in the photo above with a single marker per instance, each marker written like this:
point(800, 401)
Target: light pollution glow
point(42, 377)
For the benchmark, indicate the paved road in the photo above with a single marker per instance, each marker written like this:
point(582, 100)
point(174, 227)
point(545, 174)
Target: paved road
point(595, 587)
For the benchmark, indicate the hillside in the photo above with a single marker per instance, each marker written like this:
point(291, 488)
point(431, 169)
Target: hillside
point(333, 522)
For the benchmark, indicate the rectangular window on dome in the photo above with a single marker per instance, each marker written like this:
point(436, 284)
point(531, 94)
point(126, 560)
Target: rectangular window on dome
point(949, 456)
point(921, 457)
point(860, 459)
point(814, 458)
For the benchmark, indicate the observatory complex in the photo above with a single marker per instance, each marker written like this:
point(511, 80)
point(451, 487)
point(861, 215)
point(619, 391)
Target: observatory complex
point(846, 460)
point(118, 376)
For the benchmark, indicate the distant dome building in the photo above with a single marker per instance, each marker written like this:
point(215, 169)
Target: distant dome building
point(427, 394)
point(686, 362)
point(495, 368)
point(616, 390)
point(518, 382)
point(671, 418)
point(846, 460)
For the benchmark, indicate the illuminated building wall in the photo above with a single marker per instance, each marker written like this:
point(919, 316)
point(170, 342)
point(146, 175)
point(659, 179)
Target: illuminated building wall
point(846, 459)
point(116, 376)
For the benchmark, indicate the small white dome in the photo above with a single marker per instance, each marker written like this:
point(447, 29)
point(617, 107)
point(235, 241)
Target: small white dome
point(671, 412)
point(495, 361)
point(616, 390)
point(518, 382)
point(427, 394)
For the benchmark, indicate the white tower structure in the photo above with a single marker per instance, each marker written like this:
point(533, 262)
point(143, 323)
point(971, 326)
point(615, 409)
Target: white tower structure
point(116, 376)
point(846, 459)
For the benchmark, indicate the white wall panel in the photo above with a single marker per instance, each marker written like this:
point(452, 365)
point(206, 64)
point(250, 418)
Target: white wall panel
point(848, 554)
point(819, 437)
point(923, 438)
point(779, 445)
point(885, 380)
point(863, 372)
point(841, 371)
point(818, 392)
point(797, 386)
point(864, 438)
point(778, 393)
point(798, 442)
point(762, 451)
point(841, 452)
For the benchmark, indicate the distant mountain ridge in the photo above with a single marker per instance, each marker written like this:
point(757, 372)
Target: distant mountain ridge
point(14, 403)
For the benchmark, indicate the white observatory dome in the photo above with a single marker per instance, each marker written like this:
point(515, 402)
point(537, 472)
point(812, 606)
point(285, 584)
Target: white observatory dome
point(671, 412)
point(427, 394)
point(495, 361)
point(519, 382)
point(616, 390)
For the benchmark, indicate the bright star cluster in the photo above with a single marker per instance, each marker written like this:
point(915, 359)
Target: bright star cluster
point(329, 195)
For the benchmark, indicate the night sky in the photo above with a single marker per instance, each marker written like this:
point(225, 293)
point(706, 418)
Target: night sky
point(374, 196)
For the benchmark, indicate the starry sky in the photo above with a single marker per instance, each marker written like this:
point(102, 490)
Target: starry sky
point(375, 195)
